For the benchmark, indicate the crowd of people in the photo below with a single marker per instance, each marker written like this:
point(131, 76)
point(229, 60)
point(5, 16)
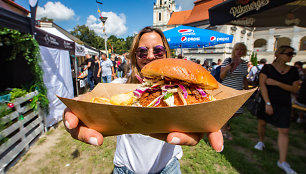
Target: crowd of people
point(104, 69)
point(278, 83)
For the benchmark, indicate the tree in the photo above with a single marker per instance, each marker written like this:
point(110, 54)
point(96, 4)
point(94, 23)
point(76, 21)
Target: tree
point(118, 45)
point(45, 19)
point(254, 58)
point(128, 42)
point(88, 36)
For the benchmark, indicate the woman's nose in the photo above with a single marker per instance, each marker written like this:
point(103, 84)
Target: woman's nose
point(150, 54)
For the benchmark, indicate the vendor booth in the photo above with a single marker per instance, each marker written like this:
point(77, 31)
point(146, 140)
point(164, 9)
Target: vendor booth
point(57, 77)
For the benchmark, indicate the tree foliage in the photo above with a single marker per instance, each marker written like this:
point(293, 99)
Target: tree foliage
point(117, 45)
point(254, 58)
point(45, 19)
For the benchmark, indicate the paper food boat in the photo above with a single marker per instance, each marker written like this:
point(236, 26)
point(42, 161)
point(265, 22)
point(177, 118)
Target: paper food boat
point(115, 120)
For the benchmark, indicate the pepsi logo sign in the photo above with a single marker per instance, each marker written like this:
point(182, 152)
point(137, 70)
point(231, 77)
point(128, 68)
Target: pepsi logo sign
point(212, 38)
point(185, 31)
point(184, 39)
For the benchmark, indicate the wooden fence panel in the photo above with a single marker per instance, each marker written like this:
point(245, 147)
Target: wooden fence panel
point(21, 133)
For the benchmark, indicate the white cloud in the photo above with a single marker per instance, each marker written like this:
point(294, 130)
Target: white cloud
point(114, 25)
point(56, 11)
point(184, 4)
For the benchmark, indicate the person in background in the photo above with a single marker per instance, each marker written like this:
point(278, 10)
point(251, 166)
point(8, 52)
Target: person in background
point(219, 62)
point(213, 68)
point(205, 65)
point(277, 81)
point(137, 153)
point(113, 59)
point(97, 71)
point(107, 69)
point(233, 73)
point(89, 68)
point(180, 56)
point(301, 101)
point(124, 57)
point(250, 65)
point(119, 71)
point(198, 61)
point(299, 66)
point(254, 72)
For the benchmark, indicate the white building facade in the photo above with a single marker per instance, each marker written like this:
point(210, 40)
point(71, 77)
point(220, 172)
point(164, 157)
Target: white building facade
point(162, 11)
point(263, 41)
point(266, 40)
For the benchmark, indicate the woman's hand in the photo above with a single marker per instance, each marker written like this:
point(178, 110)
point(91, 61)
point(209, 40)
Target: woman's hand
point(269, 110)
point(79, 131)
point(228, 67)
point(192, 139)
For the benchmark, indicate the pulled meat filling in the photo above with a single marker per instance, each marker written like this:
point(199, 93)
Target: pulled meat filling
point(193, 97)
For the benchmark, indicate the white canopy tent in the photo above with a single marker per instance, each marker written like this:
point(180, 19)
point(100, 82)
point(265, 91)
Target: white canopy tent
point(91, 52)
point(57, 76)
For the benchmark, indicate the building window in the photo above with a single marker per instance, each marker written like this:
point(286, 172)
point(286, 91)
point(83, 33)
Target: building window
point(161, 2)
point(260, 45)
point(303, 44)
point(159, 16)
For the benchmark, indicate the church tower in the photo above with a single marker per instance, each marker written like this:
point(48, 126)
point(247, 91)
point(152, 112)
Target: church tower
point(162, 12)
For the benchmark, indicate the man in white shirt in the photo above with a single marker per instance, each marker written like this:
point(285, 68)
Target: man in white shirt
point(107, 69)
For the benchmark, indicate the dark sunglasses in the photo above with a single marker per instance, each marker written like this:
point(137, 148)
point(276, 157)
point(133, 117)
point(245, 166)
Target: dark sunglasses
point(290, 54)
point(158, 51)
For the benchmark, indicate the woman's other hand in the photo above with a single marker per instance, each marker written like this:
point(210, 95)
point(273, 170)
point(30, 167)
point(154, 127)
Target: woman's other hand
point(79, 131)
point(192, 139)
point(269, 110)
point(271, 82)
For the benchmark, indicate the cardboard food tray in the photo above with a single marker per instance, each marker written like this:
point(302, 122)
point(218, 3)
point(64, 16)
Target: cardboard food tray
point(115, 120)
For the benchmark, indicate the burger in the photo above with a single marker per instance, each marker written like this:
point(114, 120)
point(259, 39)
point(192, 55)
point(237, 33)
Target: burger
point(174, 82)
point(168, 82)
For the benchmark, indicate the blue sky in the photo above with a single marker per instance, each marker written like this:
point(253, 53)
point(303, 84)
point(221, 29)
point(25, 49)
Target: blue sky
point(125, 17)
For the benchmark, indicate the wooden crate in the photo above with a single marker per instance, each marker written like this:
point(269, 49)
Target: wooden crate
point(21, 134)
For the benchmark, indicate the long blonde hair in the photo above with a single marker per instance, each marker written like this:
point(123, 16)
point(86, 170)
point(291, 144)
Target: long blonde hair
point(132, 56)
point(239, 45)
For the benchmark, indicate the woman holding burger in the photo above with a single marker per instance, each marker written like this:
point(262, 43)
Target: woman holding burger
point(137, 153)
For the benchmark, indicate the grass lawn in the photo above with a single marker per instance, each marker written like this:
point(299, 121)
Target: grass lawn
point(239, 156)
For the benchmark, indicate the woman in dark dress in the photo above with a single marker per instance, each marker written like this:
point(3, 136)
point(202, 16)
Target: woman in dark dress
point(277, 81)
point(97, 71)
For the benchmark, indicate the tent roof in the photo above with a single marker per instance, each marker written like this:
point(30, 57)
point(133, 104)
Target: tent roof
point(14, 4)
point(56, 33)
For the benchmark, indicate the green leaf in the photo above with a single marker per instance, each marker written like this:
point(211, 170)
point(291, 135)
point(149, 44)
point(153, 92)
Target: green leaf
point(168, 95)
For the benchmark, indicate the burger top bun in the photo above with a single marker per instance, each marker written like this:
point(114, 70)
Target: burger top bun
point(180, 69)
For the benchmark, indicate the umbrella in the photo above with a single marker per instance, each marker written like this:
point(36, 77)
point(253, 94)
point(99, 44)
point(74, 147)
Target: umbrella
point(191, 37)
point(259, 13)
